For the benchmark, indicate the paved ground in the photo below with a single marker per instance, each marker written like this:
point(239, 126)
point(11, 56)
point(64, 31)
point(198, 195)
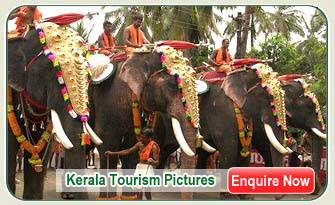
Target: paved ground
point(51, 194)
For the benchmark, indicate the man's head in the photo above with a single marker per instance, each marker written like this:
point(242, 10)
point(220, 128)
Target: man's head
point(32, 8)
point(137, 20)
point(225, 43)
point(146, 135)
point(107, 26)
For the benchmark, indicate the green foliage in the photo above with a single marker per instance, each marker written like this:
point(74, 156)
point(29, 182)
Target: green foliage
point(199, 55)
point(284, 55)
point(307, 58)
point(82, 31)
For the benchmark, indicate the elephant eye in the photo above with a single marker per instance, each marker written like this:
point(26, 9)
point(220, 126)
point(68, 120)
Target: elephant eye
point(172, 84)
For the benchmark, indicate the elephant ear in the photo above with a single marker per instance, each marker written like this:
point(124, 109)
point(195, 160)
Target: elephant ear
point(16, 65)
point(236, 89)
point(134, 77)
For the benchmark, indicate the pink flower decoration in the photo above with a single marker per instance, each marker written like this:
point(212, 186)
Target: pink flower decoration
point(64, 90)
point(258, 72)
point(51, 57)
point(41, 34)
point(162, 58)
point(185, 108)
point(84, 118)
point(178, 80)
point(267, 89)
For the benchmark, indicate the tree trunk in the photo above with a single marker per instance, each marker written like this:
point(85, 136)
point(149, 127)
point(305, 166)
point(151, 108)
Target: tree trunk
point(252, 32)
point(246, 24)
point(238, 39)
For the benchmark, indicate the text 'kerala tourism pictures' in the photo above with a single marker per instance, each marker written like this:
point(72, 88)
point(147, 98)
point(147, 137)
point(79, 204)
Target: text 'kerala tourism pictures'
point(236, 180)
point(98, 180)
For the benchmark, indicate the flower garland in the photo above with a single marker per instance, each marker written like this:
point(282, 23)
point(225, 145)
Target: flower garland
point(310, 95)
point(271, 85)
point(55, 63)
point(245, 141)
point(180, 90)
point(16, 129)
point(136, 116)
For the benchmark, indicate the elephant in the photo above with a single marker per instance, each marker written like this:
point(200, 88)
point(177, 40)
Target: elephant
point(142, 75)
point(300, 112)
point(221, 130)
point(32, 72)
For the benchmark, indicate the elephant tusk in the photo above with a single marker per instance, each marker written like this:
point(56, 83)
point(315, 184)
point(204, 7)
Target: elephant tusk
point(180, 137)
point(289, 150)
point(61, 136)
point(94, 136)
point(319, 133)
point(206, 146)
point(273, 140)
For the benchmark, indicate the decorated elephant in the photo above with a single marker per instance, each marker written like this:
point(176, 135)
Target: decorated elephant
point(219, 117)
point(46, 67)
point(156, 80)
point(303, 111)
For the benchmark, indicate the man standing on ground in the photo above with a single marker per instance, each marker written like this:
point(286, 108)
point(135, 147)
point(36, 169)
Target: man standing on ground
point(149, 154)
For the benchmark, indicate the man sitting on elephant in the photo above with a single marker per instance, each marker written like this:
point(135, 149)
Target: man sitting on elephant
point(106, 39)
point(133, 36)
point(149, 155)
point(26, 15)
point(220, 59)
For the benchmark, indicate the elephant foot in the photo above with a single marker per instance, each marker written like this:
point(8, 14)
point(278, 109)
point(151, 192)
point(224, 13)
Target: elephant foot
point(247, 196)
point(229, 196)
point(279, 196)
point(67, 195)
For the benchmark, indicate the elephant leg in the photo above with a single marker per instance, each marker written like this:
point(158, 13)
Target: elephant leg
point(75, 159)
point(129, 163)
point(202, 159)
point(278, 161)
point(244, 162)
point(316, 161)
point(13, 147)
point(266, 154)
point(34, 181)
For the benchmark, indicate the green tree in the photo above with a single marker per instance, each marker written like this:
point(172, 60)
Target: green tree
point(284, 55)
point(81, 29)
point(287, 20)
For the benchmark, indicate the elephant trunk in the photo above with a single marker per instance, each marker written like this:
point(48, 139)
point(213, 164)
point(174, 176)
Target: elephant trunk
point(319, 133)
point(58, 129)
point(316, 159)
point(273, 140)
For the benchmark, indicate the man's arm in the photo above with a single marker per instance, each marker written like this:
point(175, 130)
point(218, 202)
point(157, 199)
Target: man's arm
point(17, 13)
point(126, 151)
point(154, 161)
point(101, 42)
point(145, 40)
point(212, 59)
point(126, 37)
